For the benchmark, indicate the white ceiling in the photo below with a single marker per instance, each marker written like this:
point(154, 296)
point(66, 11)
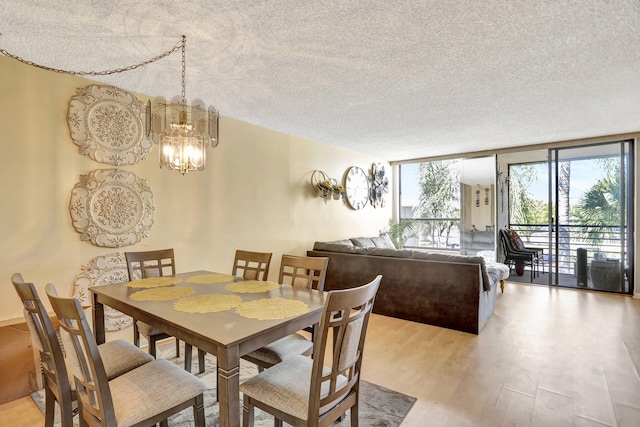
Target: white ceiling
point(396, 80)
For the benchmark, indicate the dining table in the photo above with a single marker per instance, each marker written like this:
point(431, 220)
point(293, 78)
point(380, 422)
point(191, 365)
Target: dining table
point(223, 315)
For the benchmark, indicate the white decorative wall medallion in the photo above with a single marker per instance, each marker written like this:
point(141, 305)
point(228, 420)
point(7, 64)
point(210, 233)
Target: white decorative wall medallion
point(103, 270)
point(110, 125)
point(112, 208)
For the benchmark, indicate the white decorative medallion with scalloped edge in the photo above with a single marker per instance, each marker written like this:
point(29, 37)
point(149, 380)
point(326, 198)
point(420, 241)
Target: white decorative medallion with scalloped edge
point(109, 125)
point(103, 270)
point(112, 208)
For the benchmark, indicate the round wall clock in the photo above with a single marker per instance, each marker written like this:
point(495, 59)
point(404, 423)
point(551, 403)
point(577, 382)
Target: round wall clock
point(357, 187)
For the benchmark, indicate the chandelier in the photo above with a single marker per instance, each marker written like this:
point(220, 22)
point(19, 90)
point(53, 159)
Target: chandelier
point(184, 131)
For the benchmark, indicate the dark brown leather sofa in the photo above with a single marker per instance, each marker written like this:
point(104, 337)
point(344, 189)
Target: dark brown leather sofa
point(451, 291)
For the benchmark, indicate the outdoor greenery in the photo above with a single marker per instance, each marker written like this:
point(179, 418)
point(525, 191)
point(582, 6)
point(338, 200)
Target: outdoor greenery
point(597, 211)
point(599, 208)
point(523, 207)
point(400, 232)
point(439, 199)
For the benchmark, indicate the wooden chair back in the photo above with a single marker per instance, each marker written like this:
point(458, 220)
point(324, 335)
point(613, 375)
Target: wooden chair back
point(56, 378)
point(252, 265)
point(144, 264)
point(92, 385)
point(345, 319)
point(309, 272)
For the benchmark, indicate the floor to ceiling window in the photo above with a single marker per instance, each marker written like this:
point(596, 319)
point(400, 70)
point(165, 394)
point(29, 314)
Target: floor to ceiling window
point(589, 203)
point(448, 205)
point(576, 205)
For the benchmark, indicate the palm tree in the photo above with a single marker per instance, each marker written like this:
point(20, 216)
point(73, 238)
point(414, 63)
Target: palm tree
point(599, 209)
point(564, 232)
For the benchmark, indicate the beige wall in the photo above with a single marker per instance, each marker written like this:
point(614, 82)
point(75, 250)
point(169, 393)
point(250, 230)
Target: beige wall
point(255, 193)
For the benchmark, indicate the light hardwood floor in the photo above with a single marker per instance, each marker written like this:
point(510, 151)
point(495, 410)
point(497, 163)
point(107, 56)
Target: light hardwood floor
point(548, 357)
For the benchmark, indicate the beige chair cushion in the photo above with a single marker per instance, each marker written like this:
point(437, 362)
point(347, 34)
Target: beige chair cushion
point(147, 330)
point(131, 406)
point(283, 349)
point(118, 357)
point(286, 385)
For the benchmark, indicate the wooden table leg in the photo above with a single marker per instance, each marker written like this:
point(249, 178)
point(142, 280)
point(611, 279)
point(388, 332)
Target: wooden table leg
point(98, 320)
point(229, 386)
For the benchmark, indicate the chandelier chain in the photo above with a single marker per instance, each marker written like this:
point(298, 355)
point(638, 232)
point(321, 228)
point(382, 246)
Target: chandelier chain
point(177, 47)
point(184, 71)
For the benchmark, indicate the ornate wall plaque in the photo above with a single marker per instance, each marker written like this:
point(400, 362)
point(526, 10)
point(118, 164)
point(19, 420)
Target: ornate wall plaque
point(103, 270)
point(112, 208)
point(379, 185)
point(109, 125)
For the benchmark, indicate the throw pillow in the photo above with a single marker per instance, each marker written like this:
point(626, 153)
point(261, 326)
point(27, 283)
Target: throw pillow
point(383, 241)
point(515, 239)
point(362, 242)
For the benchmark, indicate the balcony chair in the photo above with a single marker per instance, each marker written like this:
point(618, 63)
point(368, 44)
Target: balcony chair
point(303, 391)
point(159, 263)
point(141, 397)
point(119, 356)
point(515, 256)
point(309, 272)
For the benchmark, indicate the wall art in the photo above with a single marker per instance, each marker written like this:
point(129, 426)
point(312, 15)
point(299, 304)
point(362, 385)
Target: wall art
point(112, 208)
point(103, 270)
point(110, 125)
point(379, 185)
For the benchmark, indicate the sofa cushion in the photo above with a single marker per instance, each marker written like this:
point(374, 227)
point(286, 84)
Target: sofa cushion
point(436, 256)
point(363, 242)
point(342, 242)
point(383, 241)
point(465, 259)
point(337, 247)
point(396, 253)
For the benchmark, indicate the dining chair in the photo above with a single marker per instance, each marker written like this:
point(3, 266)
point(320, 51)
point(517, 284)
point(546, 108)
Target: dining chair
point(309, 392)
point(119, 356)
point(252, 265)
point(309, 272)
point(158, 263)
point(141, 397)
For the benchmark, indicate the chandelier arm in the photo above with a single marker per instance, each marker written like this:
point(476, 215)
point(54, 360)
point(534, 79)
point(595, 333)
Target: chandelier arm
point(180, 44)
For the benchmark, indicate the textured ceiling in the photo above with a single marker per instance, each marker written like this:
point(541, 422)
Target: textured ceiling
point(396, 80)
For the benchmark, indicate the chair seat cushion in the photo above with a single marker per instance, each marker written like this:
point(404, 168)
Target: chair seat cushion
point(283, 349)
point(285, 387)
point(120, 356)
point(147, 330)
point(131, 406)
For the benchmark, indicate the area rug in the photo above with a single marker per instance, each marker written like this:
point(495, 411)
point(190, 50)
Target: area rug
point(379, 406)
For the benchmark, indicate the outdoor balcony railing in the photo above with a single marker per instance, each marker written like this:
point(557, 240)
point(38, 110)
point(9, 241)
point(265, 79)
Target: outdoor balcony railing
point(600, 242)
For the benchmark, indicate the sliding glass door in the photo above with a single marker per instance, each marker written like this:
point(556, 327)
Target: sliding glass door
point(591, 217)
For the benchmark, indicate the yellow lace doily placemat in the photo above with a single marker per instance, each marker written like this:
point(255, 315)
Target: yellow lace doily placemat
point(166, 293)
point(207, 303)
point(272, 309)
point(153, 282)
point(252, 286)
point(211, 278)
